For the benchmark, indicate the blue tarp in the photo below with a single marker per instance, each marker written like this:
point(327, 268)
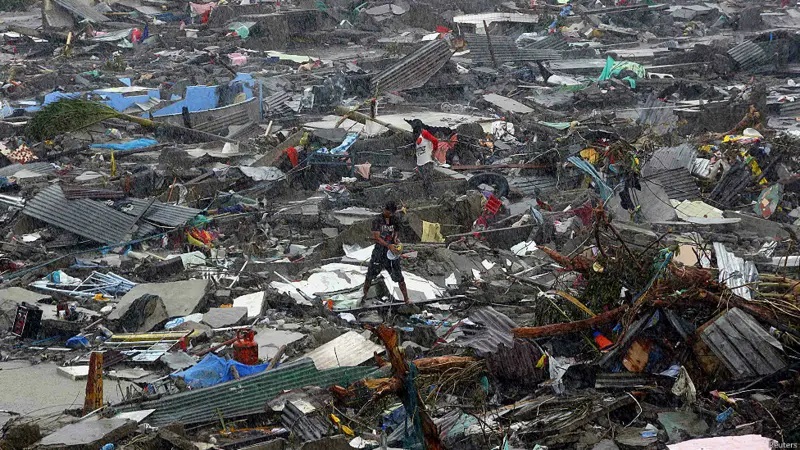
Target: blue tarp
point(213, 370)
point(130, 145)
point(603, 189)
point(348, 142)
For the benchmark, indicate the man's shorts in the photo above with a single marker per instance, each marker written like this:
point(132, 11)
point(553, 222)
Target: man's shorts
point(379, 262)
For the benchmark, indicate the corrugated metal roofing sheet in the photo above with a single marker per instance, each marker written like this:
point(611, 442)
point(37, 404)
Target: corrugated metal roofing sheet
point(748, 55)
point(517, 364)
point(308, 427)
point(415, 69)
point(218, 120)
point(735, 272)
point(44, 168)
point(276, 104)
point(84, 217)
point(161, 213)
point(76, 192)
point(678, 184)
point(83, 10)
point(551, 42)
point(543, 183)
point(790, 108)
point(743, 346)
point(349, 349)
point(494, 330)
point(727, 190)
point(245, 396)
point(505, 50)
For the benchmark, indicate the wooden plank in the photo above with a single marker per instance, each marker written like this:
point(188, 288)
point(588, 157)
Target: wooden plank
point(758, 338)
point(723, 349)
point(742, 347)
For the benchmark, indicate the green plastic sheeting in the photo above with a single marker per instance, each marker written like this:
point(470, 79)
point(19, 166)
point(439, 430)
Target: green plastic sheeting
point(241, 29)
point(614, 68)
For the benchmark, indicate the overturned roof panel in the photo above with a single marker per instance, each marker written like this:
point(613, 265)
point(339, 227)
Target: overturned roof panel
point(82, 10)
point(414, 70)
point(161, 213)
point(86, 218)
point(743, 346)
point(748, 55)
point(505, 50)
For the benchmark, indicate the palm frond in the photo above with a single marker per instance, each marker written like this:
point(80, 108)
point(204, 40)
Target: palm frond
point(68, 115)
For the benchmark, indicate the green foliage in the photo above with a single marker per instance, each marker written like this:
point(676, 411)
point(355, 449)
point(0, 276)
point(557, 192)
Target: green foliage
point(65, 116)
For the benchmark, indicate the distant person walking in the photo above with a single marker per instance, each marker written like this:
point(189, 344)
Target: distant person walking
point(426, 146)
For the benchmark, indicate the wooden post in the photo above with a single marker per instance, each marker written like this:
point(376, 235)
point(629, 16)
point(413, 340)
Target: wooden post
point(94, 384)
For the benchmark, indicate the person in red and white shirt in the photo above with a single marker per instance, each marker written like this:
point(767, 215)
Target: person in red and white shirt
point(426, 146)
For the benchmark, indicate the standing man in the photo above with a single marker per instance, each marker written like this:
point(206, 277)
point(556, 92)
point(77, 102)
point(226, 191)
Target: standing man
point(384, 234)
point(426, 145)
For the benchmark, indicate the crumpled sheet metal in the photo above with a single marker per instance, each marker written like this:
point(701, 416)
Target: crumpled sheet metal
point(735, 272)
point(495, 331)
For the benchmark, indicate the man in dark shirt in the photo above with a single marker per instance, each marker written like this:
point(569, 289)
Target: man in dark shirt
point(385, 228)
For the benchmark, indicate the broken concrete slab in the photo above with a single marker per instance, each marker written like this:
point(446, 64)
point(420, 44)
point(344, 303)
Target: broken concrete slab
point(74, 372)
point(19, 295)
point(144, 314)
point(507, 104)
point(269, 340)
point(224, 317)
point(253, 302)
point(88, 434)
point(181, 298)
point(631, 438)
point(10, 298)
point(682, 424)
point(178, 360)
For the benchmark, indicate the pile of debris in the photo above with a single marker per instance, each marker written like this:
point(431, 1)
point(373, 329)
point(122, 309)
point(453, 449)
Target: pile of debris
point(421, 225)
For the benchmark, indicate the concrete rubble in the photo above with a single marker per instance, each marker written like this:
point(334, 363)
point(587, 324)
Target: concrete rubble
point(319, 224)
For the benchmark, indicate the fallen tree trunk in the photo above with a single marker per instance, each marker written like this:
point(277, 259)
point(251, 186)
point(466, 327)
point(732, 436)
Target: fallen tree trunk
point(557, 329)
point(408, 394)
point(441, 364)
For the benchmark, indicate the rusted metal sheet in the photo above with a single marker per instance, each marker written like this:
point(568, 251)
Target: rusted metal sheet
point(414, 70)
